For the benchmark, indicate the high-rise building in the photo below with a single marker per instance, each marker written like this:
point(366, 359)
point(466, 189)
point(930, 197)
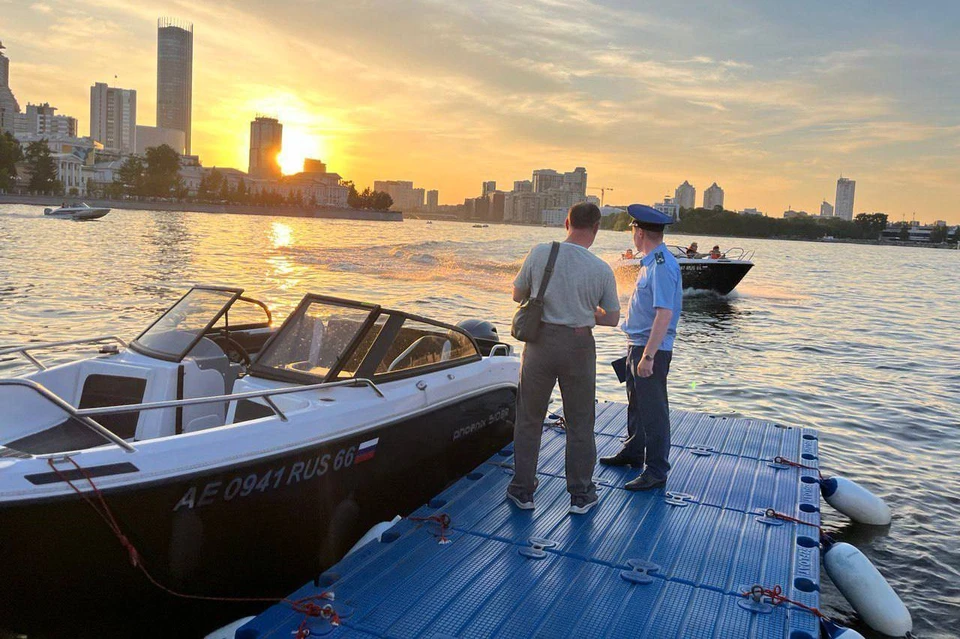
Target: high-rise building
point(522, 186)
point(41, 119)
point(685, 196)
point(113, 117)
point(844, 202)
point(314, 166)
point(826, 209)
point(175, 76)
point(713, 197)
point(546, 179)
point(433, 200)
point(488, 187)
point(9, 108)
point(669, 207)
point(266, 142)
point(404, 196)
point(575, 181)
point(148, 136)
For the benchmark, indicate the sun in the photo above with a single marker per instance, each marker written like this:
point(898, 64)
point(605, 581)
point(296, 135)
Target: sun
point(298, 144)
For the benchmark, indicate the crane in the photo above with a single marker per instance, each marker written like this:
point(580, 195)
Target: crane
point(603, 191)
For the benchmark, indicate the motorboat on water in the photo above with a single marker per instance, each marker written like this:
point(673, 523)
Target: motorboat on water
point(699, 271)
point(238, 459)
point(81, 211)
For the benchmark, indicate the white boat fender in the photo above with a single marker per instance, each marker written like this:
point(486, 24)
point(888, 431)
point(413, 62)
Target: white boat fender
point(374, 533)
point(865, 589)
point(831, 630)
point(855, 501)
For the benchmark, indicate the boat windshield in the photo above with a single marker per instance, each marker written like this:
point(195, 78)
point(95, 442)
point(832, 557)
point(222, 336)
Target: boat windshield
point(177, 331)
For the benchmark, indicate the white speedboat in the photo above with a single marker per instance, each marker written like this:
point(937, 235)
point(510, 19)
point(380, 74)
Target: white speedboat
point(79, 212)
point(237, 459)
point(700, 272)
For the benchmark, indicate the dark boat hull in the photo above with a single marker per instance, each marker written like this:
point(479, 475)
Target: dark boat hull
point(718, 276)
point(256, 530)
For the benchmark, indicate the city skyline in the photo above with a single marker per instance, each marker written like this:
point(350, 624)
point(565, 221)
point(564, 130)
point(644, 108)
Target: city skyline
point(768, 105)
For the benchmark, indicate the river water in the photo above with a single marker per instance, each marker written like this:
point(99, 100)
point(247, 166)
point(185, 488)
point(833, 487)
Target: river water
point(860, 342)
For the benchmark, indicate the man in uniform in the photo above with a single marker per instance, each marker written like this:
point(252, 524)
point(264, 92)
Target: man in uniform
point(651, 326)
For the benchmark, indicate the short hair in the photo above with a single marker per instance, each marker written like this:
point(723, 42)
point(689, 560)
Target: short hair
point(584, 215)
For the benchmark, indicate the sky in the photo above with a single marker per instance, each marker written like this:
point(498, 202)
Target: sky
point(773, 100)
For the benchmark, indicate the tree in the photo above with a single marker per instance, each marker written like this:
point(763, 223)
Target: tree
point(241, 191)
point(129, 176)
point(42, 168)
point(354, 199)
point(904, 232)
point(938, 235)
point(162, 174)
point(871, 224)
point(381, 201)
point(10, 154)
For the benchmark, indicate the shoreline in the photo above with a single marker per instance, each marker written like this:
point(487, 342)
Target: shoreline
point(330, 213)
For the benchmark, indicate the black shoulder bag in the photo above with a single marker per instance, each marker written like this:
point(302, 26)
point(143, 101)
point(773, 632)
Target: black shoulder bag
point(526, 321)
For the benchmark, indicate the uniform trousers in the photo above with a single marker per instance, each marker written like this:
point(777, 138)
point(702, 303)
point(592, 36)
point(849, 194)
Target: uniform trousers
point(648, 414)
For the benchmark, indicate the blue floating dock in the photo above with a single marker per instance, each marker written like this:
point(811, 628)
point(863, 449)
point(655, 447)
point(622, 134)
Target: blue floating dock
point(670, 564)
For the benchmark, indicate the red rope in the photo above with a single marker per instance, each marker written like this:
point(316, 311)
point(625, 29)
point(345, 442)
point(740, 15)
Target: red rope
point(306, 606)
point(776, 597)
point(784, 460)
point(559, 424)
point(443, 520)
point(772, 514)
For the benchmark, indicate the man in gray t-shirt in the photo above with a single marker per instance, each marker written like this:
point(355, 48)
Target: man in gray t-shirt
point(581, 293)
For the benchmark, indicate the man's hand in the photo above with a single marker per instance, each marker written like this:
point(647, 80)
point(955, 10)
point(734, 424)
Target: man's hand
point(645, 367)
point(603, 318)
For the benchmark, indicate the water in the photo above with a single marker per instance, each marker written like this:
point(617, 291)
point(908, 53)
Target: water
point(860, 342)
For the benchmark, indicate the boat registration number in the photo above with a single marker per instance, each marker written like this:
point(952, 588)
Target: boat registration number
point(244, 485)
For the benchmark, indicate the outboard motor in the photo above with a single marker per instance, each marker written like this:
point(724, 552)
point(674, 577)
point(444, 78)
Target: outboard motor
point(483, 331)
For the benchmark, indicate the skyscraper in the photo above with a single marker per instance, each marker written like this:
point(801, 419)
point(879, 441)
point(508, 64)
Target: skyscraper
point(113, 117)
point(433, 200)
point(266, 142)
point(685, 196)
point(844, 202)
point(488, 187)
point(9, 107)
point(713, 197)
point(175, 76)
point(826, 209)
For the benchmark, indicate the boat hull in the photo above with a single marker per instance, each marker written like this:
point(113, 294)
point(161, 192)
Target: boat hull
point(720, 276)
point(80, 215)
point(257, 529)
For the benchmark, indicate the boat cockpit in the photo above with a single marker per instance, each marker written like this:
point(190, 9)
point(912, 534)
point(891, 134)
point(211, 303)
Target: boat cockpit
point(214, 359)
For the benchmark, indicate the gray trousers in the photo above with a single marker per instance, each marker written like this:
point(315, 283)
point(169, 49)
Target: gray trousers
point(648, 414)
point(569, 356)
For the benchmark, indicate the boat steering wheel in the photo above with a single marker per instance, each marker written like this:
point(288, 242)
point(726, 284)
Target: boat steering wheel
point(234, 351)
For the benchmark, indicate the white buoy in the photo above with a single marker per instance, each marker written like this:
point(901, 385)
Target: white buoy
point(834, 631)
point(855, 501)
point(374, 533)
point(865, 588)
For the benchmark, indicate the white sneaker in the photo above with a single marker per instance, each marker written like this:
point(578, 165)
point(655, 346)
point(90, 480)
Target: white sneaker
point(522, 505)
point(582, 507)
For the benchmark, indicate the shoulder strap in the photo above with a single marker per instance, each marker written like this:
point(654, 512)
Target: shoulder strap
point(548, 271)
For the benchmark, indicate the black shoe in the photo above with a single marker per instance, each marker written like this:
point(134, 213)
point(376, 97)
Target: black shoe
point(621, 459)
point(645, 482)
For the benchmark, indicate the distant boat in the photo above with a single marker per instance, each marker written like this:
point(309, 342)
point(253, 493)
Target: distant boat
point(478, 226)
point(700, 272)
point(79, 212)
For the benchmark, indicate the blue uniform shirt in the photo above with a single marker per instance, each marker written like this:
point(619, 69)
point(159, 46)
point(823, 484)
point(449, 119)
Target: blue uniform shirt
point(659, 285)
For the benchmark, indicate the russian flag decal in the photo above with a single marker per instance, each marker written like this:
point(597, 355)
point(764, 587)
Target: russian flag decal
point(367, 450)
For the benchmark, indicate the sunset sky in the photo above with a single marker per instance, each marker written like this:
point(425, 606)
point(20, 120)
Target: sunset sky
point(772, 100)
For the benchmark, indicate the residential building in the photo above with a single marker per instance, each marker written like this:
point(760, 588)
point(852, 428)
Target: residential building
point(685, 196)
point(314, 166)
point(669, 207)
point(150, 136)
point(9, 108)
point(593, 199)
point(488, 187)
point(546, 179)
point(175, 77)
point(75, 158)
point(522, 186)
point(266, 142)
point(576, 182)
point(790, 213)
point(713, 197)
point(826, 209)
point(113, 117)
point(42, 120)
point(496, 206)
point(433, 200)
point(553, 217)
point(844, 201)
point(523, 207)
point(404, 196)
point(751, 211)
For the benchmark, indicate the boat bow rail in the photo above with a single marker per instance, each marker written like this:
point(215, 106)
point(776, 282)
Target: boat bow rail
point(25, 349)
point(85, 415)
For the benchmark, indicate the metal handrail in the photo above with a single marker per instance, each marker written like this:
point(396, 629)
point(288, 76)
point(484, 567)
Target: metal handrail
point(84, 414)
point(24, 349)
point(56, 400)
point(496, 347)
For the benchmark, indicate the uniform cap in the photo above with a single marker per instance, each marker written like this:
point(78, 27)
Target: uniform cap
point(648, 214)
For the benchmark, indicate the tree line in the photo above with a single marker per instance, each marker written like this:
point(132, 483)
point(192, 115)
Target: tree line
point(37, 161)
point(700, 221)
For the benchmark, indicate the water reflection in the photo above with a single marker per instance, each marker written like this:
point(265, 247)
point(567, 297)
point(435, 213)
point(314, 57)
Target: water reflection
point(710, 312)
point(281, 235)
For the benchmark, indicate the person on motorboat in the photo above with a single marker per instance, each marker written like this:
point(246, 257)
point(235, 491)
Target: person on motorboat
point(581, 293)
point(627, 255)
point(692, 250)
point(715, 253)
